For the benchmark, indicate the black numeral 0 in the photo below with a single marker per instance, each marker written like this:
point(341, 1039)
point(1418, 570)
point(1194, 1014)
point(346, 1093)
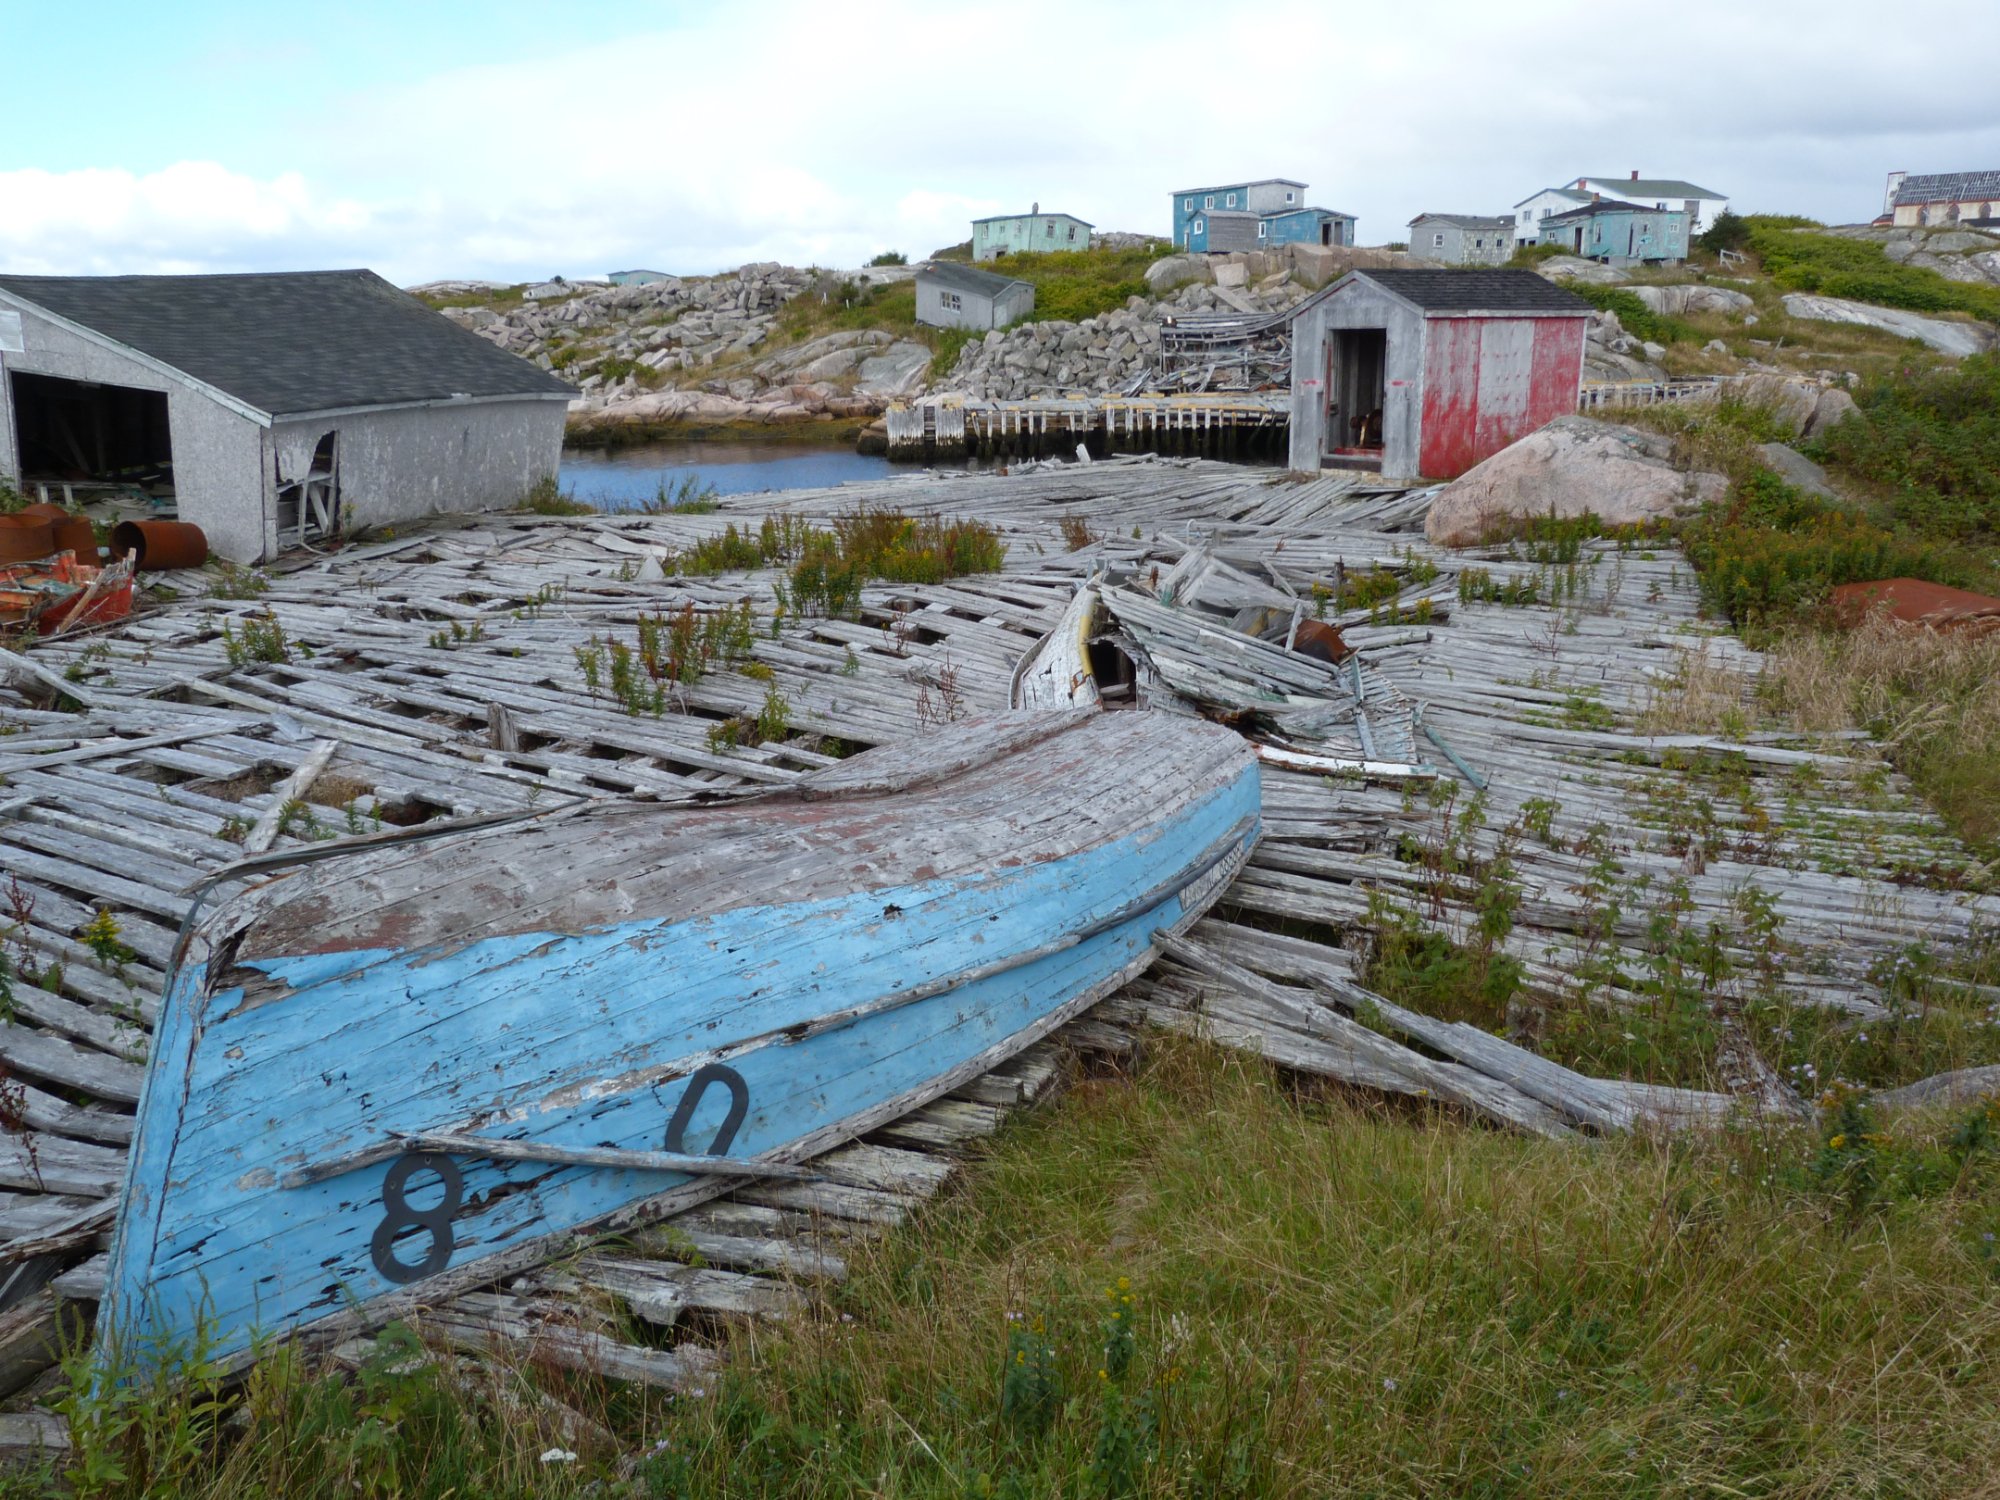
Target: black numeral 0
point(401, 1216)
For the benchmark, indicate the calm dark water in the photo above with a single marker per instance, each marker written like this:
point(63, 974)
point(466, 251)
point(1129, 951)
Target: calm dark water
point(623, 477)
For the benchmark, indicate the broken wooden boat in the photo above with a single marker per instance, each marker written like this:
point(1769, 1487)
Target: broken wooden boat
point(1118, 646)
point(387, 1076)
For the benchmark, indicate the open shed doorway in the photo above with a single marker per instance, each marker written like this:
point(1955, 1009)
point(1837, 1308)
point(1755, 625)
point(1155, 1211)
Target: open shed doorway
point(1357, 362)
point(308, 491)
point(78, 438)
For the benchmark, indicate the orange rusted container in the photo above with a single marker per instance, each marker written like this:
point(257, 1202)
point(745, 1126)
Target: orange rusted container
point(160, 544)
point(25, 538)
point(72, 532)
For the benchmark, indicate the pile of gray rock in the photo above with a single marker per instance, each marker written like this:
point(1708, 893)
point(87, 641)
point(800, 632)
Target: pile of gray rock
point(1097, 355)
point(676, 324)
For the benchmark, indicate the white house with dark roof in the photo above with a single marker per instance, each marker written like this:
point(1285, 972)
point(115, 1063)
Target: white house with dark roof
point(1943, 198)
point(275, 409)
point(1530, 211)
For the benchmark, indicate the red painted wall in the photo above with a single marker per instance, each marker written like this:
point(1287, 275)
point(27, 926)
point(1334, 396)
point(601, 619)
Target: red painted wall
point(1488, 381)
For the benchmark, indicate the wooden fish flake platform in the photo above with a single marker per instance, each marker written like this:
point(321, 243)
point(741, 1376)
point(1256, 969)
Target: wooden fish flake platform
point(440, 674)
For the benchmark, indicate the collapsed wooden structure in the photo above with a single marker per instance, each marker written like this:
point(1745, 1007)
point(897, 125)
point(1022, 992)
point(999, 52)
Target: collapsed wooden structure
point(444, 673)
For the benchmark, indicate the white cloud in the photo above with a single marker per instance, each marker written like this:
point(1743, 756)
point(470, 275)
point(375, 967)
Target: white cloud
point(191, 215)
point(783, 132)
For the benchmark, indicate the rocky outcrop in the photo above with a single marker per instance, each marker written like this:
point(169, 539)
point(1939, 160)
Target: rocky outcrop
point(1970, 255)
point(1795, 469)
point(1575, 268)
point(1833, 407)
point(672, 325)
point(1946, 335)
point(1695, 297)
point(1572, 467)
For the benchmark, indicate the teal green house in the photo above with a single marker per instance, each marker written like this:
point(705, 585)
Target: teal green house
point(1033, 232)
point(1620, 234)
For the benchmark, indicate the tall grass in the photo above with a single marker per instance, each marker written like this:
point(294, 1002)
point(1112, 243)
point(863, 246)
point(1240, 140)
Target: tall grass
point(1199, 1281)
point(1932, 698)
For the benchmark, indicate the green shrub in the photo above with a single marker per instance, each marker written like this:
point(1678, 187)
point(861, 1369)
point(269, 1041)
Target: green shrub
point(1834, 266)
point(1638, 319)
point(1774, 551)
point(546, 498)
point(1728, 232)
point(1932, 442)
point(890, 258)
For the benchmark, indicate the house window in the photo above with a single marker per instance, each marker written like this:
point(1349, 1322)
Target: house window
point(1072, 232)
point(1289, 197)
point(1187, 205)
point(1479, 244)
point(1208, 201)
point(1437, 240)
point(1261, 228)
point(1230, 201)
point(1542, 213)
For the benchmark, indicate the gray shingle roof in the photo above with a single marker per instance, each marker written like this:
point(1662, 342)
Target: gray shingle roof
point(1605, 206)
point(1478, 291)
point(292, 341)
point(966, 278)
point(1223, 187)
point(1040, 213)
point(1466, 221)
point(1950, 187)
point(1657, 187)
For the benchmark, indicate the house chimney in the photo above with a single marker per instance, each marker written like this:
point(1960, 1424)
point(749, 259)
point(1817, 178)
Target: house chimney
point(1034, 208)
point(1635, 174)
point(1597, 197)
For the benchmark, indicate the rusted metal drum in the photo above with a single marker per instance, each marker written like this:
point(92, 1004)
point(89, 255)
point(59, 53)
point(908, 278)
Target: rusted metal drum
point(72, 532)
point(25, 538)
point(160, 544)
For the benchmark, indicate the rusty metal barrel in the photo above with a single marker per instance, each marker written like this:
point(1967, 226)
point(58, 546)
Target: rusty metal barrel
point(161, 544)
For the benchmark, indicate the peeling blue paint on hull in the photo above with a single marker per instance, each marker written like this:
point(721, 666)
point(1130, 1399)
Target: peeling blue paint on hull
point(758, 1030)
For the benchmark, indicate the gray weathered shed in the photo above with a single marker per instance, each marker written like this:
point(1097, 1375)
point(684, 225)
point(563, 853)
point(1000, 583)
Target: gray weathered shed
point(954, 296)
point(1463, 239)
point(277, 408)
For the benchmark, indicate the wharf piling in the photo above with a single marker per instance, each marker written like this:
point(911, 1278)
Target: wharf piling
point(1245, 425)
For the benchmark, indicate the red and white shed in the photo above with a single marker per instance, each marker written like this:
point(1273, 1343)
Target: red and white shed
point(1425, 373)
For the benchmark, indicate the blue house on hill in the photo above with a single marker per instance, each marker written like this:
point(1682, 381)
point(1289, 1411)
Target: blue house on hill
point(1254, 216)
point(1620, 234)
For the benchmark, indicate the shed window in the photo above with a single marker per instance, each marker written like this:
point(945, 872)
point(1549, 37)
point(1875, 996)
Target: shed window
point(1197, 226)
point(950, 301)
point(1289, 197)
point(1262, 227)
point(1072, 231)
point(1437, 240)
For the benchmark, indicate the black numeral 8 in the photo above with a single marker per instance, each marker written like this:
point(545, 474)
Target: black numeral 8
point(401, 1216)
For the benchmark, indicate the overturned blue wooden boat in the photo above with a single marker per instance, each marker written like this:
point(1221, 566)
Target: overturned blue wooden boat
point(412, 1069)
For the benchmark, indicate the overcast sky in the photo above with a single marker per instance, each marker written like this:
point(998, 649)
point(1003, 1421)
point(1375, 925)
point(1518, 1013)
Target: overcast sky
point(516, 140)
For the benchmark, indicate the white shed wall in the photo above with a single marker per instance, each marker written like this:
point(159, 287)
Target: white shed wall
point(401, 464)
point(218, 452)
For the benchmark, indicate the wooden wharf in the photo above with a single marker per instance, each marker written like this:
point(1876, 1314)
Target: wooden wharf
point(438, 673)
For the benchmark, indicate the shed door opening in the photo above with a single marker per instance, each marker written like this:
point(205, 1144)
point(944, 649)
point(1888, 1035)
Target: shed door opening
point(1356, 377)
point(79, 437)
point(309, 494)
point(1326, 232)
